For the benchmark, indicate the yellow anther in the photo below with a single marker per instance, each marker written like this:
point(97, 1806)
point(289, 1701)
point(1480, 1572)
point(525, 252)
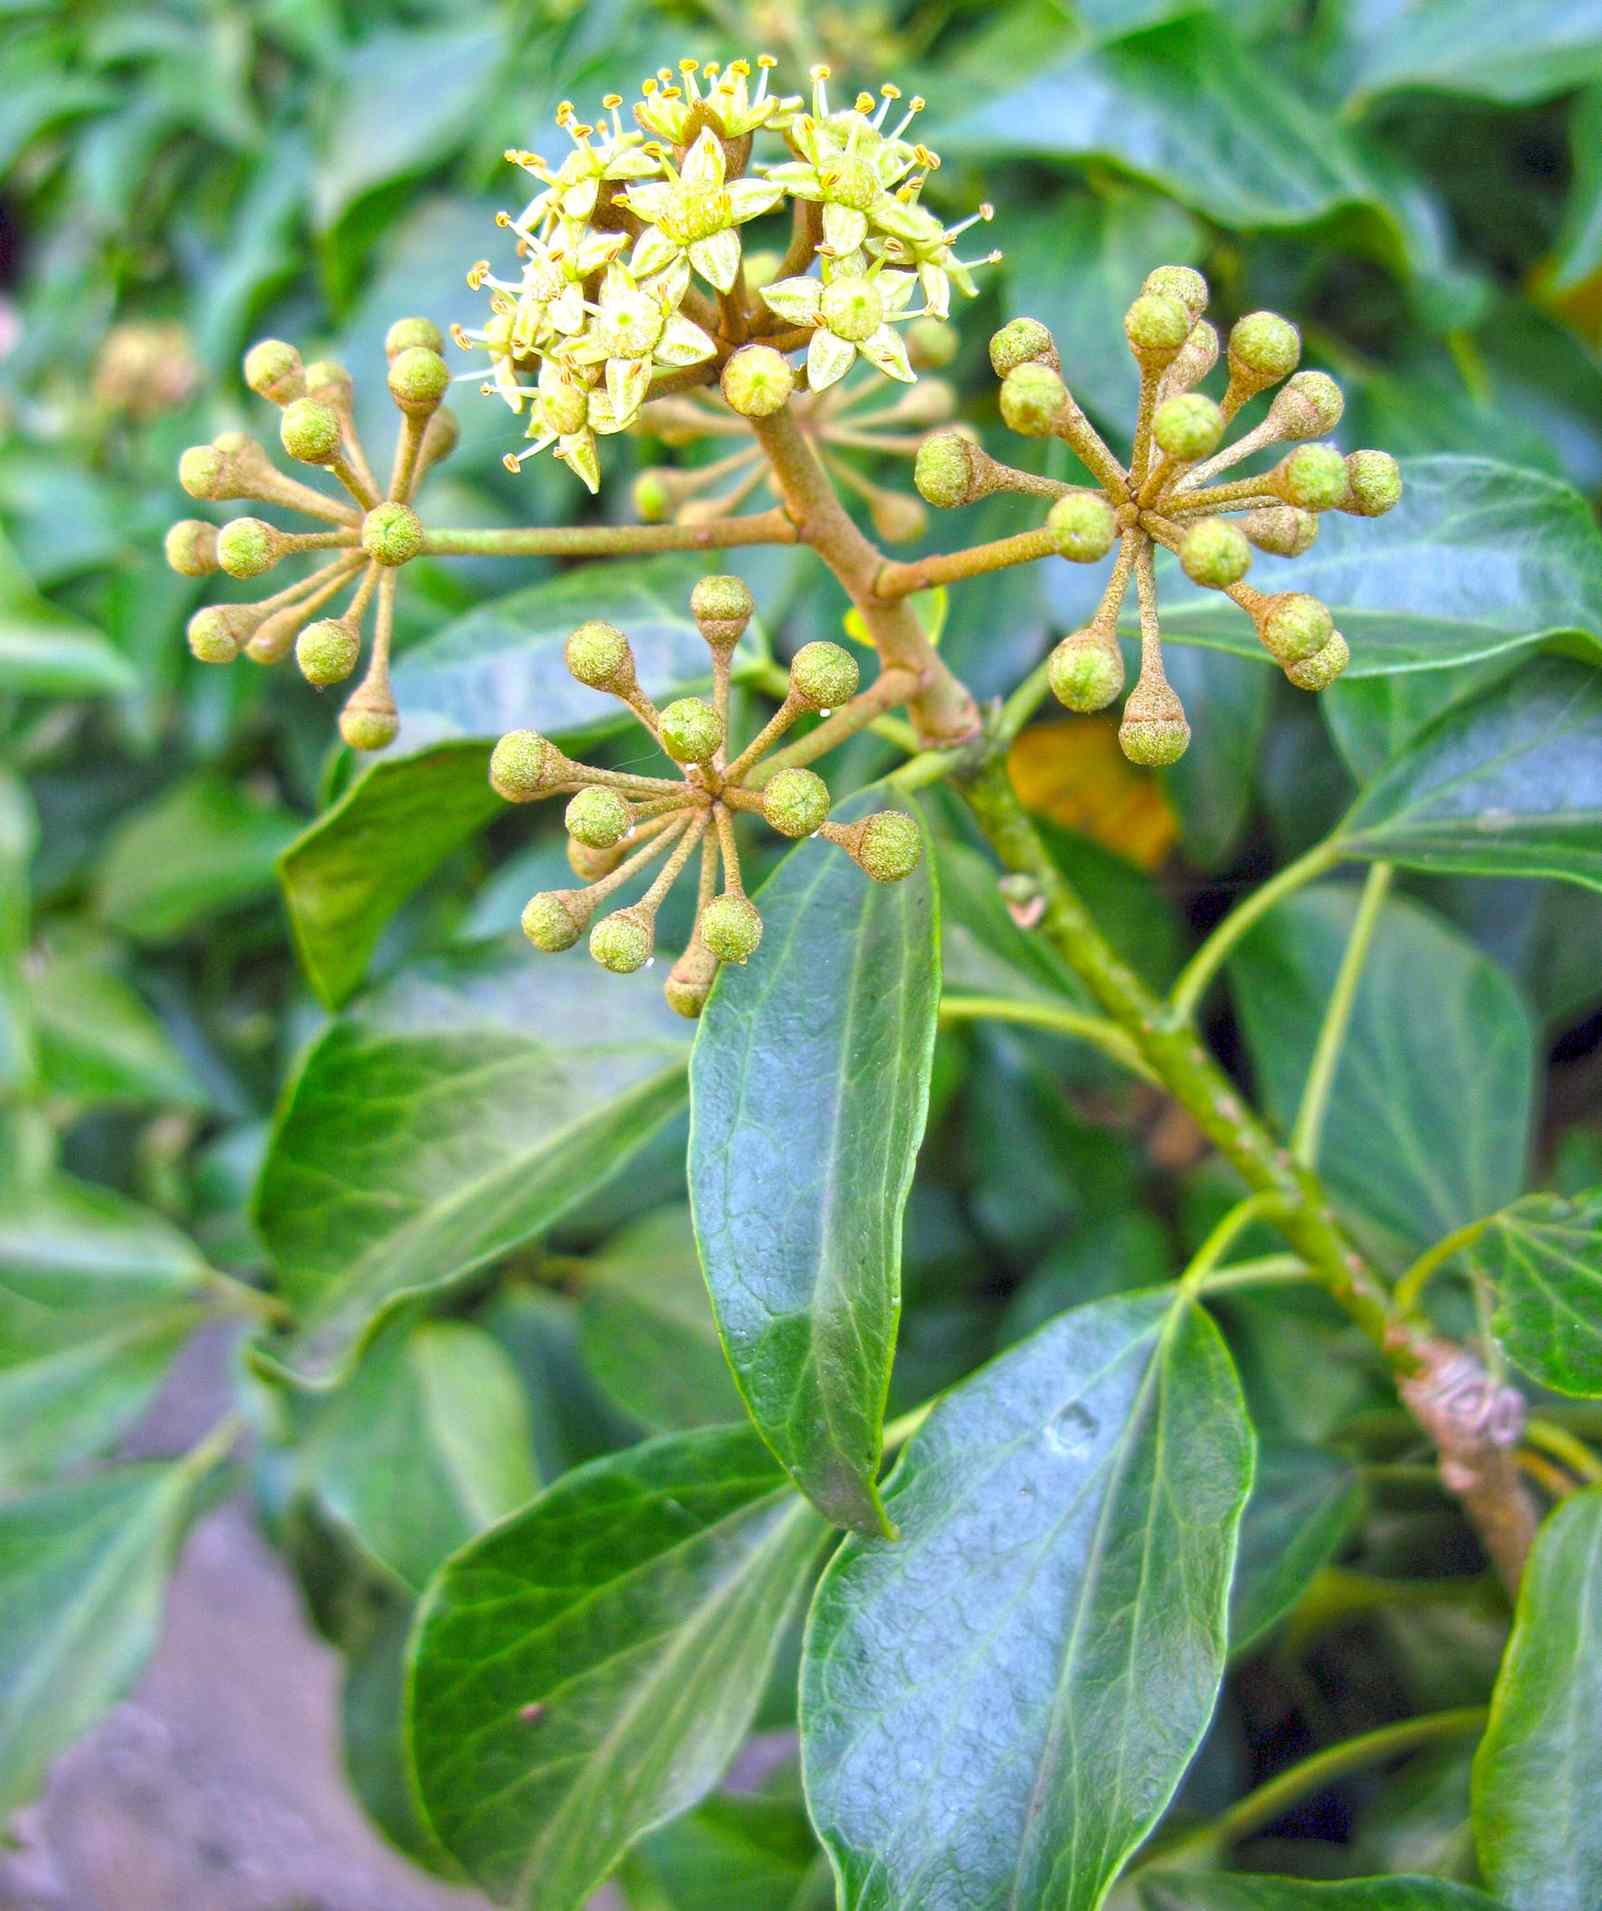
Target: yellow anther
point(611, 101)
point(511, 463)
point(460, 339)
point(477, 272)
point(766, 61)
point(889, 91)
point(648, 87)
point(917, 103)
point(564, 112)
point(863, 103)
point(820, 73)
point(503, 220)
point(687, 67)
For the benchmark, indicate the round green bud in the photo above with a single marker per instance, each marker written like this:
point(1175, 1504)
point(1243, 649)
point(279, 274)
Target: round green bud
point(1032, 398)
point(1082, 526)
point(1310, 405)
point(692, 731)
point(931, 344)
point(1320, 670)
point(598, 817)
point(1182, 282)
point(1264, 347)
point(795, 802)
point(218, 634)
point(1188, 427)
point(368, 726)
point(549, 923)
point(327, 651)
point(524, 765)
point(758, 381)
point(1154, 731)
point(203, 472)
point(896, 518)
point(1293, 626)
point(1214, 552)
point(889, 846)
point(722, 607)
point(392, 533)
point(653, 497)
point(690, 982)
point(731, 928)
point(418, 379)
point(590, 865)
point(1086, 671)
point(1374, 483)
point(247, 547)
point(943, 471)
point(823, 675)
point(598, 655)
point(1156, 325)
point(623, 942)
point(1280, 529)
point(309, 430)
point(1020, 342)
point(329, 383)
point(191, 547)
point(1312, 477)
point(441, 436)
point(407, 332)
point(273, 370)
point(1195, 358)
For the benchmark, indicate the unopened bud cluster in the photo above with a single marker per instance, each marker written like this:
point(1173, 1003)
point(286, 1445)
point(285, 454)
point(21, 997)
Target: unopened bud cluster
point(620, 823)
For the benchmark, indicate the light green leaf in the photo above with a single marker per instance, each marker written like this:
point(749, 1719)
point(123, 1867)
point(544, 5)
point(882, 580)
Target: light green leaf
point(809, 1086)
point(1578, 252)
point(1543, 1255)
point(982, 949)
point(98, 1042)
point(732, 1853)
point(1507, 785)
point(1537, 1825)
point(588, 1669)
point(1507, 50)
point(1222, 1892)
point(1373, 720)
point(44, 653)
point(1212, 786)
point(1304, 1502)
point(997, 1707)
point(448, 1118)
point(1429, 1115)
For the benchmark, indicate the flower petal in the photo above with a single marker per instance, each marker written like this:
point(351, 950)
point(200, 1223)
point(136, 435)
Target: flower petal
point(577, 452)
point(627, 382)
point(794, 299)
point(653, 251)
point(748, 198)
point(895, 288)
point(885, 349)
point(799, 180)
point(629, 162)
point(578, 202)
point(647, 201)
point(683, 342)
point(936, 290)
point(828, 360)
point(717, 259)
point(704, 164)
point(671, 285)
point(843, 229)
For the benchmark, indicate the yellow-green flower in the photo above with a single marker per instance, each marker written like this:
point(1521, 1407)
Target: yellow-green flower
point(677, 111)
point(600, 152)
point(850, 163)
point(693, 214)
point(909, 234)
point(636, 328)
point(850, 308)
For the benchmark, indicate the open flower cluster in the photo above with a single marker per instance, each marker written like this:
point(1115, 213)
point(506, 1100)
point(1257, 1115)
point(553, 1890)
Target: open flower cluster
point(366, 541)
point(632, 281)
point(1170, 495)
point(619, 823)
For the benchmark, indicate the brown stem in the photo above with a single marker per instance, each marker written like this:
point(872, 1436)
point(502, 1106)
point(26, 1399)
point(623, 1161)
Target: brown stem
point(924, 573)
point(888, 689)
point(612, 540)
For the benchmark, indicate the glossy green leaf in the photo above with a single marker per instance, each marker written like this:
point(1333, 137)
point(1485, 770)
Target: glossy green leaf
point(997, 1707)
point(445, 1120)
point(1224, 1892)
point(1507, 785)
point(983, 951)
point(732, 1853)
point(1543, 1255)
point(809, 1085)
point(1374, 720)
point(1477, 559)
point(1211, 787)
point(588, 1669)
point(1578, 252)
point(99, 1042)
point(424, 1446)
point(571, 1419)
point(1537, 1825)
point(1507, 50)
point(1428, 1124)
point(1304, 1502)
point(646, 1329)
point(1543, 933)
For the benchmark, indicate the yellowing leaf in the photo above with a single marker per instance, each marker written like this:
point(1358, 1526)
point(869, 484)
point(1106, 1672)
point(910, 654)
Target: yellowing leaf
point(929, 607)
point(1075, 774)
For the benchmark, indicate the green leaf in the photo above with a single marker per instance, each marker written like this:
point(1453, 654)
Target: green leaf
point(982, 949)
point(588, 1669)
point(997, 1707)
point(730, 1854)
point(1477, 559)
point(646, 1331)
point(445, 1120)
point(98, 1042)
point(1578, 251)
point(1429, 1116)
point(809, 1085)
point(201, 848)
point(44, 653)
point(1508, 785)
point(1537, 1826)
point(83, 1571)
point(1544, 1257)
point(1222, 1892)
point(424, 1446)
point(1507, 50)
point(1212, 787)
point(1304, 1502)
point(1374, 720)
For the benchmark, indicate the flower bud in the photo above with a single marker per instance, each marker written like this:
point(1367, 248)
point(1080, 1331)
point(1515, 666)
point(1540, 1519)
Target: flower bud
point(886, 846)
point(823, 675)
point(590, 865)
point(524, 765)
point(247, 547)
point(1373, 484)
point(1182, 282)
point(273, 371)
point(653, 495)
point(191, 547)
point(1021, 342)
point(1320, 670)
point(418, 380)
point(392, 533)
point(1312, 477)
point(1214, 552)
point(599, 655)
point(327, 651)
point(440, 437)
point(1032, 399)
point(203, 472)
point(692, 731)
point(758, 381)
point(554, 920)
point(1196, 358)
point(218, 634)
point(946, 470)
point(309, 431)
point(407, 332)
point(598, 817)
point(1188, 427)
point(1309, 405)
point(731, 928)
point(1280, 529)
point(1154, 731)
point(690, 981)
point(330, 384)
point(1083, 527)
point(1086, 670)
point(930, 402)
point(931, 344)
point(1156, 326)
point(623, 942)
point(369, 720)
point(722, 607)
point(1292, 626)
point(896, 518)
point(1263, 348)
point(795, 802)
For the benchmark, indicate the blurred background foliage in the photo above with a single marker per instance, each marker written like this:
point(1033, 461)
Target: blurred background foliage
point(1421, 185)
